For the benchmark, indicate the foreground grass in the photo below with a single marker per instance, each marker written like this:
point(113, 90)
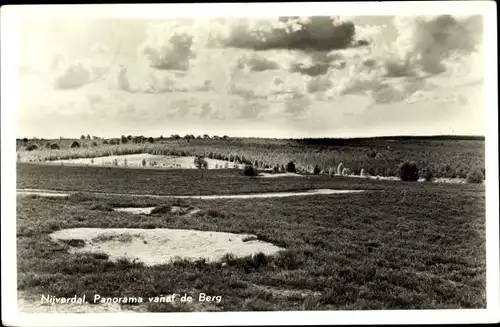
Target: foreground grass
point(399, 246)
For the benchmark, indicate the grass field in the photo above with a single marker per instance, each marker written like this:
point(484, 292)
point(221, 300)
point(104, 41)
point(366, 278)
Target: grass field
point(398, 245)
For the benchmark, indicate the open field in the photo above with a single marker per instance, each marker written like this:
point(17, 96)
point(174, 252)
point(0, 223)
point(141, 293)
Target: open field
point(445, 156)
point(398, 245)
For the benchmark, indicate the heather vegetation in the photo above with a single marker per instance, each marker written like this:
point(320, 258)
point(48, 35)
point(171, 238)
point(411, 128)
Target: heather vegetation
point(449, 157)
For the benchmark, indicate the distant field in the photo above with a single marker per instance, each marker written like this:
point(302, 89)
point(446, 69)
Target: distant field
point(449, 157)
point(398, 245)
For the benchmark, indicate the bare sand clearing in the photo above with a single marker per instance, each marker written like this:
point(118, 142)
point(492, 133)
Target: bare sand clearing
point(157, 161)
point(136, 211)
point(268, 175)
point(160, 246)
point(205, 197)
point(44, 193)
point(149, 210)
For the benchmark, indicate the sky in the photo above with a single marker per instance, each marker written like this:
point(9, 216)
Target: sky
point(284, 77)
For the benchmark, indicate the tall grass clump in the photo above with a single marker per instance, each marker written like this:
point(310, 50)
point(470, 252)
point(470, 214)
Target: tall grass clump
point(408, 171)
point(475, 176)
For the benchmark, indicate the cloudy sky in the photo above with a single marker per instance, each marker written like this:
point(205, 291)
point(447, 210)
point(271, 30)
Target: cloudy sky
point(283, 77)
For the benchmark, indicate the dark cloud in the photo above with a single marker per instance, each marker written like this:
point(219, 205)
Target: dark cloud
point(294, 33)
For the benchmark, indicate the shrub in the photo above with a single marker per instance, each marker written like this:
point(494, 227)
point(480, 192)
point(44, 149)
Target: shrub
point(105, 142)
point(31, 147)
point(75, 144)
point(408, 171)
point(316, 170)
point(200, 163)
point(475, 176)
point(250, 170)
point(54, 146)
point(290, 167)
point(428, 174)
point(276, 169)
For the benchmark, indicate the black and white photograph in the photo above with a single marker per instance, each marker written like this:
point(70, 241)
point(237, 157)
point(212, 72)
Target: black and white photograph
point(220, 161)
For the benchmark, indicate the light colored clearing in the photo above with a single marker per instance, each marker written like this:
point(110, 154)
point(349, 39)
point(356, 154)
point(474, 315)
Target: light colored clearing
point(224, 196)
point(44, 193)
point(160, 246)
point(268, 175)
point(136, 211)
point(155, 161)
point(267, 195)
point(148, 210)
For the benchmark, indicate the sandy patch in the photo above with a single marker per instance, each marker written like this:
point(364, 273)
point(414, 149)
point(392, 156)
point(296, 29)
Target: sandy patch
point(268, 175)
point(136, 211)
point(155, 161)
point(160, 246)
point(44, 193)
point(149, 210)
point(267, 195)
point(223, 196)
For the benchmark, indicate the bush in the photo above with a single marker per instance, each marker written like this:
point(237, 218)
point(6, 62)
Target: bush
point(475, 176)
point(428, 174)
point(408, 171)
point(75, 144)
point(316, 170)
point(250, 170)
point(290, 167)
point(200, 163)
point(31, 147)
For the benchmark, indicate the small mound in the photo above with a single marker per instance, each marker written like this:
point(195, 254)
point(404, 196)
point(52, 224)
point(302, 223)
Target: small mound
point(161, 246)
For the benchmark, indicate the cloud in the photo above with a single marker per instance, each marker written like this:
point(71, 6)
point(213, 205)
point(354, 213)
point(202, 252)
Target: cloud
point(72, 76)
point(293, 33)
point(426, 42)
point(168, 46)
point(255, 63)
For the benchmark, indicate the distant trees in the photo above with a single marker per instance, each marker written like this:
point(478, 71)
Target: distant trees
point(54, 146)
point(206, 136)
point(75, 144)
point(25, 140)
point(31, 147)
point(175, 136)
point(124, 139)
point(88, 137)
point(151, 140)
point(82, 137)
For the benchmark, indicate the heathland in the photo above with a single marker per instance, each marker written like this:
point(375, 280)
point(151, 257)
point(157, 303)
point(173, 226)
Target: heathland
point(396, 245)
